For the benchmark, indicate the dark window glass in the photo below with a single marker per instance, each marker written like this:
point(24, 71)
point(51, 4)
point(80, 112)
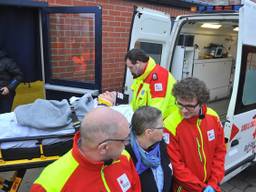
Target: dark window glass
point(154, 50)
point(246, 98)
point(249, 93)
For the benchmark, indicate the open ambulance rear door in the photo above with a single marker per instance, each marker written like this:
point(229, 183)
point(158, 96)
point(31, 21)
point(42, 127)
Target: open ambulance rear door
point(241, 116)
point(150, 31)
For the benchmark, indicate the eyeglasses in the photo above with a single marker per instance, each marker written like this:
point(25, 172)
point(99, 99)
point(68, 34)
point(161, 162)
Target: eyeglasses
point(125, 141)
point(188, 107)
point(158, 128)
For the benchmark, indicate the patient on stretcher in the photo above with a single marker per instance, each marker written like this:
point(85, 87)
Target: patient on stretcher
point(51, 117)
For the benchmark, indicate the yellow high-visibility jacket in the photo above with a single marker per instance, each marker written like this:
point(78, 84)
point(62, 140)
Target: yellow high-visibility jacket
point(154, 88)
point(74, 172)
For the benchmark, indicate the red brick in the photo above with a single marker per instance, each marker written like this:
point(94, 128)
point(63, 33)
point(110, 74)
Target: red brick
point(116, 23)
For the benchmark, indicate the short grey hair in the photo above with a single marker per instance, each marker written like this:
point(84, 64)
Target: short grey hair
point(191, 88)
point(100, 123)
point(92, 130)
point(143, 118)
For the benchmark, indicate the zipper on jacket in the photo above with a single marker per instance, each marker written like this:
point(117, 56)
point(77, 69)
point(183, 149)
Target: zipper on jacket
point(202, 148)
point(104, 179)
point(199, 150)
point(179, 189)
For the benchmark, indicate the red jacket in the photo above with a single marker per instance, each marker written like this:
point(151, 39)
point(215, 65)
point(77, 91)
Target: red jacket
point(74, 173)
point(197, 150)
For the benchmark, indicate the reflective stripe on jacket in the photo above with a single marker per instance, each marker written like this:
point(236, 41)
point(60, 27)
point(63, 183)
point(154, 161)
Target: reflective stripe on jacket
point(197, 150)
point(73, 172)
point(154, 88)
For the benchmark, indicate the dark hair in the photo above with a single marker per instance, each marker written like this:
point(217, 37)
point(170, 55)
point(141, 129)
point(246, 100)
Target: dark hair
point(191, 88)
point(136, 55)
point(143, 118)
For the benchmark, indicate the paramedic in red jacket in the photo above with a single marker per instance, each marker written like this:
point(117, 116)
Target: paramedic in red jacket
point(196, 143)
point(97, 161)
point(152, 84)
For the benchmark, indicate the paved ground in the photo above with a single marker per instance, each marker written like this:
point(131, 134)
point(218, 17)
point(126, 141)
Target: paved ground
point(244, 182)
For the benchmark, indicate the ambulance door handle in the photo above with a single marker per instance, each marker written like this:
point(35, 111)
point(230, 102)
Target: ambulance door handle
point(234, 143)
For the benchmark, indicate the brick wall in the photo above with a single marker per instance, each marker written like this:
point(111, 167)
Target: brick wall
point(116, 21)
point(72, 46)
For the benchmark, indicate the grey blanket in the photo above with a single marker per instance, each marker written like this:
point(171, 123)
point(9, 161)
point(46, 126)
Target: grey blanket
point(52, 114)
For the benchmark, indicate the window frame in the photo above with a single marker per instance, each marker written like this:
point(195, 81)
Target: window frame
point(240, 107)
point(97, 10)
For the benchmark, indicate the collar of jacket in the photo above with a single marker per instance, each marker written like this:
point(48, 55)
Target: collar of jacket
point(149, 67)
point(194, 119)
point(81, 159)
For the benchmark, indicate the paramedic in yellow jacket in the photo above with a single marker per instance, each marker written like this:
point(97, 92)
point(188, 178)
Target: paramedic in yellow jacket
point(152, 85)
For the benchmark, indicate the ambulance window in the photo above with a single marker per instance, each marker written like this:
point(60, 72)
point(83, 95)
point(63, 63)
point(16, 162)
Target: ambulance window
point(246, 97)
point(249, 93)
point(154, 50)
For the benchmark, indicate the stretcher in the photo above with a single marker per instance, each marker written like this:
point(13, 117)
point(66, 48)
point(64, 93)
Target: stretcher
point(23, 148)
point(21, 159)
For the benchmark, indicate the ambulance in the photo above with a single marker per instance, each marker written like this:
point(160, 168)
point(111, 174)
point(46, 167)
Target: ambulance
point(218, 46)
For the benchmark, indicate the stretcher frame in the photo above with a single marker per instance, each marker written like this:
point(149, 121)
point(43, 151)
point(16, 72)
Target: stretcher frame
point(20, 166)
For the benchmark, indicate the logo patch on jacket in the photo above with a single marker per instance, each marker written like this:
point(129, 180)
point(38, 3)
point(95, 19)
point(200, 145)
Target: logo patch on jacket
point(154, 76)
point(158, 87)
point(211, 135)
point(124, 182)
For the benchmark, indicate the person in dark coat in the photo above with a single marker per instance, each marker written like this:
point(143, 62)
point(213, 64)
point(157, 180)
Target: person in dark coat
point(10, 77)
point(148, 150)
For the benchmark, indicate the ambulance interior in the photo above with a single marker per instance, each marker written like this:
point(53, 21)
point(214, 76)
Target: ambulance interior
point(207, 51)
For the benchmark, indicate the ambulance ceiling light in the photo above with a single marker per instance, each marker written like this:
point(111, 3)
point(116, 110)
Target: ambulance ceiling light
point(236, 29)
point(211, 25)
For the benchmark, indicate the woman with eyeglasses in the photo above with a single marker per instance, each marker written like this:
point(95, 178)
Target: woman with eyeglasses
point(148, 150)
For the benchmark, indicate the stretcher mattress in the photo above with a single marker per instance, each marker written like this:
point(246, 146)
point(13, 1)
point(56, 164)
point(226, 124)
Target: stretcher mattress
point(9, 128)
point(22, 142)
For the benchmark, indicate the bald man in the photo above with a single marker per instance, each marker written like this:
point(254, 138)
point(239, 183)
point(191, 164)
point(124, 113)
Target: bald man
point(97, 161)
